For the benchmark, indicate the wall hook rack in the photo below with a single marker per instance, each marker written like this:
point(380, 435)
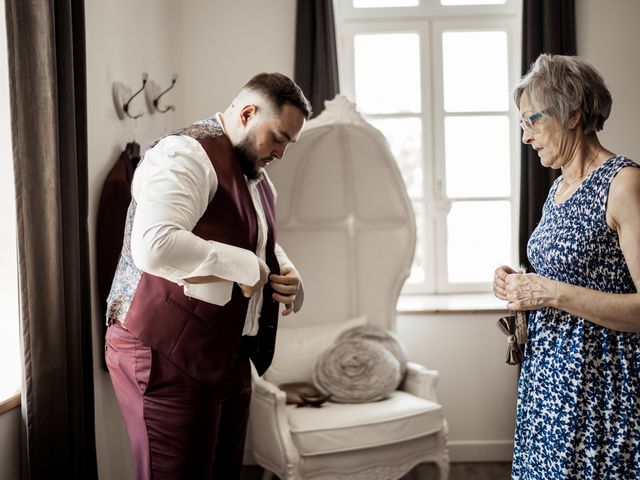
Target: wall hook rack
point(122, 98)
point(154, 94)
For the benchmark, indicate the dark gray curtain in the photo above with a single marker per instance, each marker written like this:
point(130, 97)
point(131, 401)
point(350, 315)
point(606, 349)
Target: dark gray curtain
point(548, 27)
point(316, 60)
point(47, 79)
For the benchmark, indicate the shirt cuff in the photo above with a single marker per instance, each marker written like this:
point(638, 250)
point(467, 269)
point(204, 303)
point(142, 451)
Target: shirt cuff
point(226, 262)
point(217, 292)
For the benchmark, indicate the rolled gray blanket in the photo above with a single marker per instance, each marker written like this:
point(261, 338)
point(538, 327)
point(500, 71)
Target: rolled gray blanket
point(377, 334)
point(358, 370)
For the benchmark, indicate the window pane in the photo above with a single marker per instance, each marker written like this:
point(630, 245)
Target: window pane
point(384, 3)
point(471, 2)
point(10, 357)
point(475, 71)
point(477, 156)
point(387, 73)
point(405, 139)
point(479, 240)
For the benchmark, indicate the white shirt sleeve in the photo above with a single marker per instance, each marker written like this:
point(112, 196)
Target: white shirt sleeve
point(172, 188)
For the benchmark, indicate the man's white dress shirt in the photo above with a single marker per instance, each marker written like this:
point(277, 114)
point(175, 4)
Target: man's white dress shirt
point(172, 188)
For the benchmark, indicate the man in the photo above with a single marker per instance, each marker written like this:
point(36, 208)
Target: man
point(198, 284)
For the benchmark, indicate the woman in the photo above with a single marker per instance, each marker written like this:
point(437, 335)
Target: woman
point(578, 414)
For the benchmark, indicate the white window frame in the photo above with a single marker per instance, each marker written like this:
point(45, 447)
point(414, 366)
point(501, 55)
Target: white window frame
point(429, 20)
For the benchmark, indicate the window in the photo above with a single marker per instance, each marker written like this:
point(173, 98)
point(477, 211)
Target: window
point(435, 77)
point(10, 370)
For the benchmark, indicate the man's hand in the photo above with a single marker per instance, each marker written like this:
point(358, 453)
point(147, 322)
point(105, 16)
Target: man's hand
point(286, 287)
point(247, 290)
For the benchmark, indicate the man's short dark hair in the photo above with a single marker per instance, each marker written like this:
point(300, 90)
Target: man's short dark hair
point(280, 90)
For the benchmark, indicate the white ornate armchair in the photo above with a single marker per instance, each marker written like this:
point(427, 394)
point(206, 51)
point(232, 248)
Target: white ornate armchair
point(346, 221)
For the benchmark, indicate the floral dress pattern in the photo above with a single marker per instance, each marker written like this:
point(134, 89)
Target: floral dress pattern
point(578, 414)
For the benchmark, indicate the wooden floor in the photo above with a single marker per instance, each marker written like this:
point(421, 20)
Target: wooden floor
point(459, 471)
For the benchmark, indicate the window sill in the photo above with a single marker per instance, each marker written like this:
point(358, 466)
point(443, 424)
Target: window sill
point(450, 303)
point(9, 403)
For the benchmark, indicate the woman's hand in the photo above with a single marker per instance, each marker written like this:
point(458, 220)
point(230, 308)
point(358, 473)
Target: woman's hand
point(499, 281)
point(529, 291)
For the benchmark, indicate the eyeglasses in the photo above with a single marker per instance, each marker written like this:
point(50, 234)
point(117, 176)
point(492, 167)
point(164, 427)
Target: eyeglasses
point(529, 124)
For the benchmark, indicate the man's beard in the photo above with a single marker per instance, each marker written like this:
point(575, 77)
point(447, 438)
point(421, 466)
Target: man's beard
point(247, 158)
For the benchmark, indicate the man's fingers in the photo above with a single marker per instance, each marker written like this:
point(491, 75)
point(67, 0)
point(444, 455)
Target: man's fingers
point(285, 279)
point(246, 290)
point(286, 299)
point(288, 310)
point(284, 289)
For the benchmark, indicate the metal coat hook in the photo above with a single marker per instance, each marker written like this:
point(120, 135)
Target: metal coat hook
point(157, 99)
point(125, 107)
point(122, 97)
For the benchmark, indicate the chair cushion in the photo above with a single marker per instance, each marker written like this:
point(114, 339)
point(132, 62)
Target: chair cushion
point(298, 348)
point(338, 427)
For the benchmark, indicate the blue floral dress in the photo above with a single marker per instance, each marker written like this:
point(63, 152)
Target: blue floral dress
point(578, 414)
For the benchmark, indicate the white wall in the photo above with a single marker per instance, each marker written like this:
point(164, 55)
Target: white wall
point(124, 39)
point(608, 37)
point(226, 42)
point(10, 445)
point(476, 387)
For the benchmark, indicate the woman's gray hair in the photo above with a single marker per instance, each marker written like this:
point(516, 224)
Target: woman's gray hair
point(563, 84)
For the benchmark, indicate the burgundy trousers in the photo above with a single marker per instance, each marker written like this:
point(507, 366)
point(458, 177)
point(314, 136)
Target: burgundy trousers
point(178, 427)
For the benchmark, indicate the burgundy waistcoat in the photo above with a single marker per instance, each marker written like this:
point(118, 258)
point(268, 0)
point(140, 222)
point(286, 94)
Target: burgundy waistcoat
point(205, 339)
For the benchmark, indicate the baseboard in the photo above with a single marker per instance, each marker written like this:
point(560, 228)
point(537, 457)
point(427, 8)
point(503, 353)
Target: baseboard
point(481, 450)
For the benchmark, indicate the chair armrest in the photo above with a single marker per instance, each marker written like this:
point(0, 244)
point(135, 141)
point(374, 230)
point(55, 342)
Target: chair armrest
point(267, 389)
point(420, 381)
point(273, 447)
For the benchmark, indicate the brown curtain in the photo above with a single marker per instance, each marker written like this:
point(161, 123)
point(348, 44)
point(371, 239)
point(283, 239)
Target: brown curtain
point(548, 27)
point(47, 80)
point(316, 60)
